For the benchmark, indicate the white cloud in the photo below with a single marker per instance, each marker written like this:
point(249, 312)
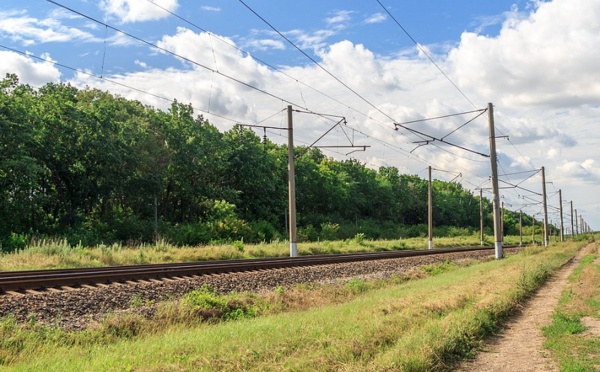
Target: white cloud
point(29, 71)
point(141, 63)
point(313, 40)
point(341, 16)
point(265, 44)
point(210, 8)
point(128, 11)
point(539, 72)
point(546, 59)
point(580, 171)
point(20, 27)
point(375, 18)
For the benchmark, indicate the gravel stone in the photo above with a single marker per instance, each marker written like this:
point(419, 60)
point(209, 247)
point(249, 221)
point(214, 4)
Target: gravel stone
point(76, 309)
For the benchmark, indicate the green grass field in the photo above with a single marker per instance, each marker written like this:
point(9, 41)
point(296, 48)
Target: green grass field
point(59, 254)
point(414, 325)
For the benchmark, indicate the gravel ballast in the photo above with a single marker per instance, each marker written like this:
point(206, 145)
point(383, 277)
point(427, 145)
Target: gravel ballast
point(76, 308)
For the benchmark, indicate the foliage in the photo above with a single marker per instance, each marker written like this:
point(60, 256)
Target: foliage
point(93, 168)
point(208, 304)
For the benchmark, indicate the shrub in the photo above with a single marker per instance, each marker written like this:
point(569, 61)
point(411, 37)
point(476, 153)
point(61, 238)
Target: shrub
point(14, 242)
point(329, 231)
point(209, 305)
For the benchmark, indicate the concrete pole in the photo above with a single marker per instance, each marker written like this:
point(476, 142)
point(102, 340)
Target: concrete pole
point(572, 227)
point(520, 228)
point(502, 222)
point(545, 207)
point(430, 211)
point(576, 223)
point(481, 215)
point(495, 188)
point(562, 226)
point(291, 186)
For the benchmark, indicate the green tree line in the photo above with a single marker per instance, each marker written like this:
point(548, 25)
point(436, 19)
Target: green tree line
point(91, 167)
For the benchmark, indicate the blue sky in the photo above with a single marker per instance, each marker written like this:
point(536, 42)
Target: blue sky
point(535, 60)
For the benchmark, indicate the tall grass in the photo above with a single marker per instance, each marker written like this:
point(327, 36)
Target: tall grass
point(418, 325)
point(40, 254)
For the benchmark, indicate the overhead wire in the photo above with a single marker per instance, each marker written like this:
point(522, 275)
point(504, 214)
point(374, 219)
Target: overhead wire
point(215, 71)
point(425, 53)
point(315, 61)
point(308, 56)
point(141, 40)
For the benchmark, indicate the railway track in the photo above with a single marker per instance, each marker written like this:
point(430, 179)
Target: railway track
point(15, 281)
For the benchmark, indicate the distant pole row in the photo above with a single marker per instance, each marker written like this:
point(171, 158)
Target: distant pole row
point(578, 225)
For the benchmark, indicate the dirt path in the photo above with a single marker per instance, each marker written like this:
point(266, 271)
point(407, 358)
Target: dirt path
point(519, 347)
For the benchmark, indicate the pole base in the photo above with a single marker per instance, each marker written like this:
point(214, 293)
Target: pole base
point(498, 250)
point(430, 244)
point(293, 250)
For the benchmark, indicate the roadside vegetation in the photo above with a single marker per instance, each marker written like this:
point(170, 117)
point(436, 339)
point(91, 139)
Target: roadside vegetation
point(397, 323)
point(49, 254)
point(572, 342)
point(91, 168)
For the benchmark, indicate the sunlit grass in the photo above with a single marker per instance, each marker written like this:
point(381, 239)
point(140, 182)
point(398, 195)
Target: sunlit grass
point(59, 254)
point(425, 324)
point(565, 337)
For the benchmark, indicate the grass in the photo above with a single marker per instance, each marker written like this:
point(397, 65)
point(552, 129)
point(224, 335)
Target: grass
point(566, 337)
point(395, 324)
point(46, 254)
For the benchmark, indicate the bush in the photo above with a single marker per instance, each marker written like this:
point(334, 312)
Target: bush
point(209, 305)
point(307, 234)
point(263, 231)
point(189, 234)
point(329, 231)
point(14, 242)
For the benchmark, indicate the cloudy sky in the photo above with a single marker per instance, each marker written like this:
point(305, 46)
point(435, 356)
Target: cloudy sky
point(376, 63)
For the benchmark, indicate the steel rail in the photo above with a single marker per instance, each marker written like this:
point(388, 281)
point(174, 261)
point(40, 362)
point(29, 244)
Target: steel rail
point(41, 279)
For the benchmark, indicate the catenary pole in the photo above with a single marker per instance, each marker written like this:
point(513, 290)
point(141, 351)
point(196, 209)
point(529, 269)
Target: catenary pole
point(576, 223)
point(481, 215)
point(502, 222)
point(572, 227)
point(291, 186)
point(430, 211)
point(545, 207)
point(520, 228)
point(562, 226)
point(495, 188)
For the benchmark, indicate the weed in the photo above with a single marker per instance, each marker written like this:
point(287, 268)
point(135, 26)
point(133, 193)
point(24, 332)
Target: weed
point(359, 239)
point(209, 305)
point(563, 324)
point(136, 302)
point(440, 268)
point(357, 285)
point(239, 245)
